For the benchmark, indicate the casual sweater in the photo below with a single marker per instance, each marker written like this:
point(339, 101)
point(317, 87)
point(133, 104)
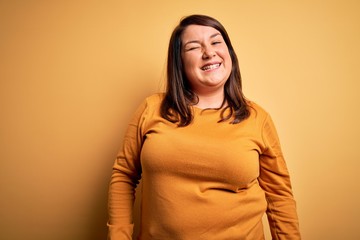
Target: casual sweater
point(205, 181)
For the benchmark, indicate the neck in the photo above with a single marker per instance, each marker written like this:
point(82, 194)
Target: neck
point(210, 100)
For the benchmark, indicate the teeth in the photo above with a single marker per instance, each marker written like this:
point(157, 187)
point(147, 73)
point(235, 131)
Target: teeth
point(209, 67)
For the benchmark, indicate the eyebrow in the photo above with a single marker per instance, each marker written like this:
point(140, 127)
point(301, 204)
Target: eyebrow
point(196, 41)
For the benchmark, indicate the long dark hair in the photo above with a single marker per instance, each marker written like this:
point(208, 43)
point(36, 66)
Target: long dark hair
point(179, 97)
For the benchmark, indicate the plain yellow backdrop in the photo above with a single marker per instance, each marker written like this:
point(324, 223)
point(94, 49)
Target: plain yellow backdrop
point(73, 72)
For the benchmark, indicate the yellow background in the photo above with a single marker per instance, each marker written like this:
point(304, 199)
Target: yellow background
point(72, 73)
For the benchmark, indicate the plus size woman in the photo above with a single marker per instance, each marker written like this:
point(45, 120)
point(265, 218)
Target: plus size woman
point(209, 159)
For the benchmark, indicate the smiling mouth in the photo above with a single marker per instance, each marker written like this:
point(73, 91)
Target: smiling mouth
point(210, 67)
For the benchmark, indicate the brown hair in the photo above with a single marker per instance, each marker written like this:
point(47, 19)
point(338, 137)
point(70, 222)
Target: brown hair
point(179, 97)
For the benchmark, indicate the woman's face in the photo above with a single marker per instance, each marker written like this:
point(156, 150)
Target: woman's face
point(206, 58)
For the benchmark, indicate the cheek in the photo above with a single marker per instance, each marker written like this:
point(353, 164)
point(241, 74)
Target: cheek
point(189, 64)
point(228, 60)
point(226, 55)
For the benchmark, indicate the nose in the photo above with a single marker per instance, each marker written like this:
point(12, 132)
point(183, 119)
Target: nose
point(208, 53)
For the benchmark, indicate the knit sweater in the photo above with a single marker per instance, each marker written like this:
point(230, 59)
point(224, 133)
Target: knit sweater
point(205, 181)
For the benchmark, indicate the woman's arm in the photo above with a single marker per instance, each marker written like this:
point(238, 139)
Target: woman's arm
point(275, 181)
point(125, 177)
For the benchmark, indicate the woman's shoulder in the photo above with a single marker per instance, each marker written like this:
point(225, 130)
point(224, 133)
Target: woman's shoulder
point(149, 107)
point(257, 110)
point(154, 100)
point(151, 104)
point(155, 97)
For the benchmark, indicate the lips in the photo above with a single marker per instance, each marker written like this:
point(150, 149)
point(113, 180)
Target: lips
point(209, 67)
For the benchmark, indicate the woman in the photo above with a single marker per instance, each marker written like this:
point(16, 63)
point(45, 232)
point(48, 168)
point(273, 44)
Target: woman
point(210, 160)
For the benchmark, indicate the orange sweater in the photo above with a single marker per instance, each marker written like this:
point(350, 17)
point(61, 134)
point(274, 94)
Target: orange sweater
point(208, 180)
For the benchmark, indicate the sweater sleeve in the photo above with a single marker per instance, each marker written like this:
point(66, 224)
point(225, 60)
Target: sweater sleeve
point(275, 180)
point(124, 179)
